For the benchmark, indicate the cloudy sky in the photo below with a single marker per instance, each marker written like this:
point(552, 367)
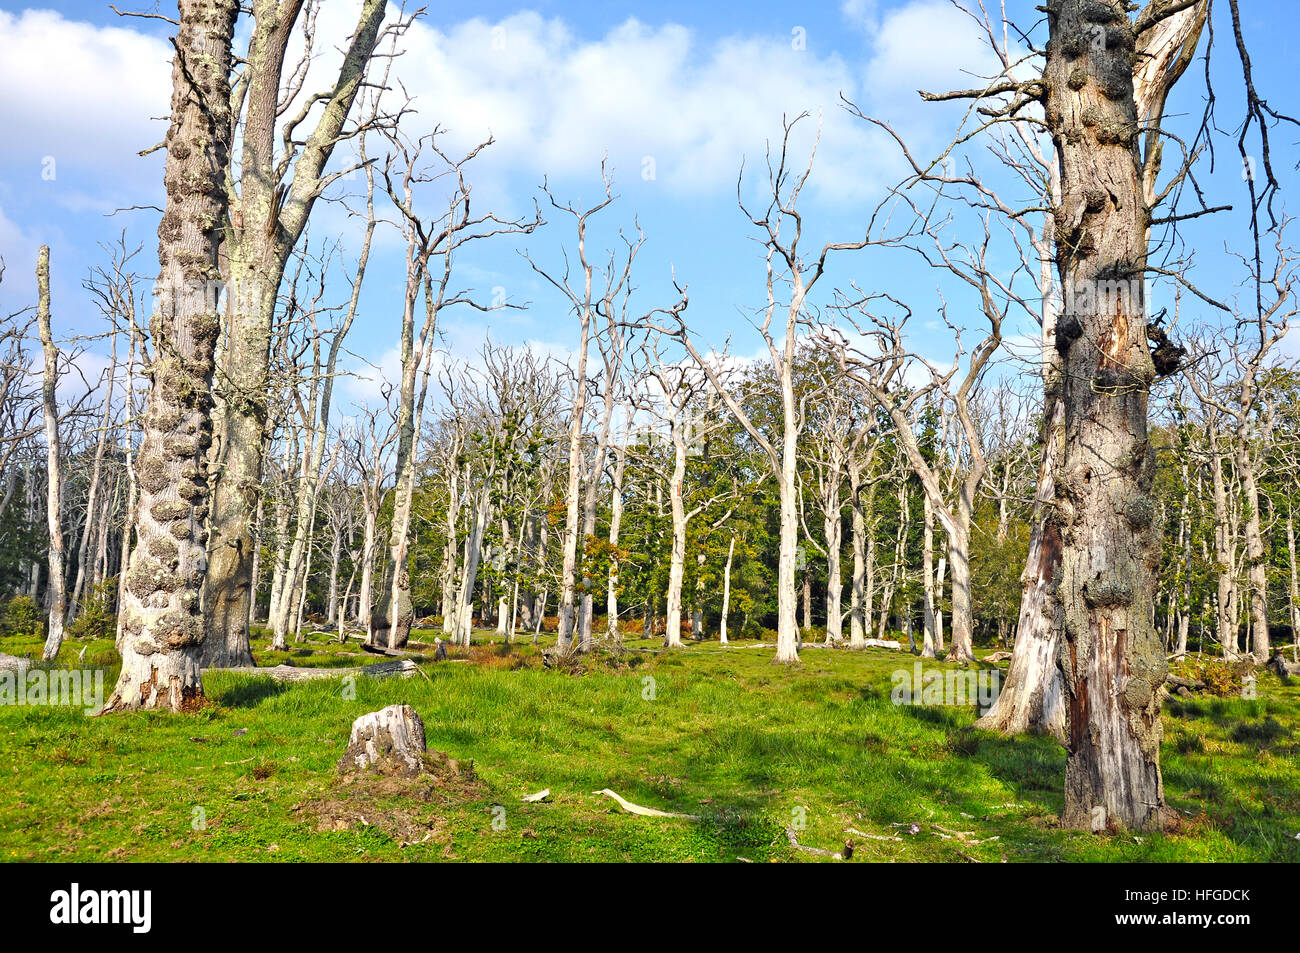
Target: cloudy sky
point(677, 95)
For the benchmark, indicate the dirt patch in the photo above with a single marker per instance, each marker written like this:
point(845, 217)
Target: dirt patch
point(404, 808)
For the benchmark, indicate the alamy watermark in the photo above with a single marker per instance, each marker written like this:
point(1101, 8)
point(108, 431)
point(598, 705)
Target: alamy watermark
point(1104, 296)
point(133, 908)
point(56, 687)
point(951, 687)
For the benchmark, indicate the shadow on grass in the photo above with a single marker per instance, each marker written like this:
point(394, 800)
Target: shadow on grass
point(248, 692)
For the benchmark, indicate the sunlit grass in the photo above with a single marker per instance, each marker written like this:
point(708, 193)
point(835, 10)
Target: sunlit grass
point(748, 747)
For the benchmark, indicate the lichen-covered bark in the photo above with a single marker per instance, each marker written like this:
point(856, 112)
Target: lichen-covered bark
point(161, 623)
point(1111, 657)
point(1031, 696)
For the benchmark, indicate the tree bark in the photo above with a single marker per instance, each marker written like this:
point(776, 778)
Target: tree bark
point(1031, 695)
point(1112, 661)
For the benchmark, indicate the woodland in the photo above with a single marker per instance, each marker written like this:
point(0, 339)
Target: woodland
point(653, 598)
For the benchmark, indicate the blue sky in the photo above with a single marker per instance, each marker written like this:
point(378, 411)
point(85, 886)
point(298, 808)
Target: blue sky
point(689, 88)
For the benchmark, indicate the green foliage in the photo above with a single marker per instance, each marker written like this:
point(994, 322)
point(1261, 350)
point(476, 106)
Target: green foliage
point(21, 616)
point(96, 618)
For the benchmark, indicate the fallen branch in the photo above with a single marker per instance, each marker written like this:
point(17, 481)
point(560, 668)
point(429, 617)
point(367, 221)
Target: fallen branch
point(817, 851)
point(391, 653)
point(857, 833)
point(643, 811)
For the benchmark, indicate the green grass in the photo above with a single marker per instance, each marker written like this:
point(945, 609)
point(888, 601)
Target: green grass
point(748, 746)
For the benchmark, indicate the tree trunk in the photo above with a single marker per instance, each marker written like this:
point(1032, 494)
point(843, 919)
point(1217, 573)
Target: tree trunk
point(963, 648)
point(58, 598)
point(677, 553)
point(615, 525)
point(1225, 555)
point(266, 225)
point(162, 626)
point(1293, 587)
point(332, 607)
point(255, 570)
point(726, 592)
point(1032, 696)
point(94, 495)
point(463, 629)
point(1112, 661)
point(569, 557)
point(832, 527)
point(859, 602)
point(927, 579)
point(1257, 561)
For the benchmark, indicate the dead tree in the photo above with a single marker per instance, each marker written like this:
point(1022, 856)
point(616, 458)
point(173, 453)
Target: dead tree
point(432, 245)
point(58, 596)
point(789, 277)
point(683, 404)
point(270, 204)
point(594, 292)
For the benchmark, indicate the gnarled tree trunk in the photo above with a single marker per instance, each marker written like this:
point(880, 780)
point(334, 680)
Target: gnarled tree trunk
point(1111, 657)
point(162, 626)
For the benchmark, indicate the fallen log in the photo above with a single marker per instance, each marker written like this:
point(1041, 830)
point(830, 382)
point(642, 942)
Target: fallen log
point(882, 644)
point(12, 663)
point(1189, 684)
point(1282, 668)
point(289, 673)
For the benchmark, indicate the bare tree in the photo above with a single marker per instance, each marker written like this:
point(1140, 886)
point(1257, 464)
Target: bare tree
point(58, 596)
point(432, 244)
point(785, 268)
point(589, 303)
point(684, 402)
point(270, 205)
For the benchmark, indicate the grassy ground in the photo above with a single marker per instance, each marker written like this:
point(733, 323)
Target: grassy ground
point(749, 747)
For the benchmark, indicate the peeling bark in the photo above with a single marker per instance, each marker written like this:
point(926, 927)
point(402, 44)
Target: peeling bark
point(1111, 657)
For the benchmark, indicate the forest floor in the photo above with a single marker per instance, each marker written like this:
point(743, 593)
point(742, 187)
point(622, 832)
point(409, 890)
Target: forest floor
point(750, 749)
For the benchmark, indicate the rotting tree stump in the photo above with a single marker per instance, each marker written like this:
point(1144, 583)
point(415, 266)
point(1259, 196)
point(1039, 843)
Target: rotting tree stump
point(388, 741)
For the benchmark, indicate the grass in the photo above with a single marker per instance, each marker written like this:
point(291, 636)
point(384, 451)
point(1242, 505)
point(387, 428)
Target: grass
point(722, 733)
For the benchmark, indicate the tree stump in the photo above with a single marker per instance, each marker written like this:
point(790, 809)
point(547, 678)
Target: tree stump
point(388, 741)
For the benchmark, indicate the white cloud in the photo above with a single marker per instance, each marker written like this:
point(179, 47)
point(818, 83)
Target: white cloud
point(78, 92)
point(930, 45)
point(557, 104)
point(861, 14)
